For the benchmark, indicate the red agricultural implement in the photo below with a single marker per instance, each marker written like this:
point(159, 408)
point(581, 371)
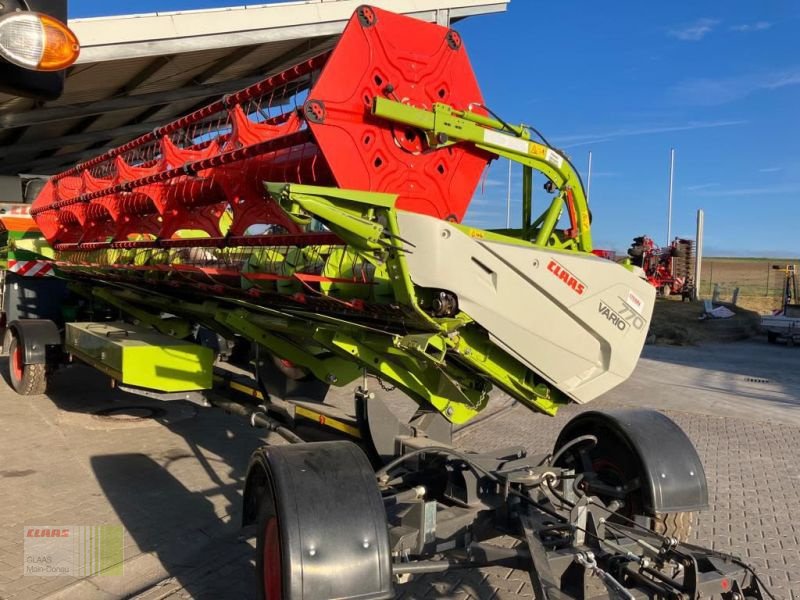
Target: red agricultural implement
point(671, 269)
point(316, 217)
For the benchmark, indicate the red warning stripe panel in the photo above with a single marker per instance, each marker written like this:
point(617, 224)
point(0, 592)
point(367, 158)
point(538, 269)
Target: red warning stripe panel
point(31, 268)
point(14, 208)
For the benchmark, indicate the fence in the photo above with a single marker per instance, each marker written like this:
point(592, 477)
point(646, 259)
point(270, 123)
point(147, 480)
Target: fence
point(760, 286)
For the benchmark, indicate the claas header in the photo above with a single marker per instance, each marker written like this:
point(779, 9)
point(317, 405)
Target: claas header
point(315, 220)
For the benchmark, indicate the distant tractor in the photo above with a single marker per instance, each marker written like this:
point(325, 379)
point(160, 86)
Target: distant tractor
point(670, 269)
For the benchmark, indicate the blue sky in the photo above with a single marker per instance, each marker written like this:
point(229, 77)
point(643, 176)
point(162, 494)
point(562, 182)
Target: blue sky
point(628, 80)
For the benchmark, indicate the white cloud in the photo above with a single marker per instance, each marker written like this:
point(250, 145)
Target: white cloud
point(770, 169)
point(712, 92)
point(478, 199)
point(487, 214)
point(769, 190)
point(493, 182)
point(701, 186)
point(571, 141)
point(588, 142)
point(712, 251)
point(748, 27)
point(694, 32)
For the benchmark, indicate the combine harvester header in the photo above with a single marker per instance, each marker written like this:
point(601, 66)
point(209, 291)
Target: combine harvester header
point(337, 187)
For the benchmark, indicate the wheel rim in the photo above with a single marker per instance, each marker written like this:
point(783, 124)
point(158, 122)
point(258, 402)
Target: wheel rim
point(16, 363)
point(272, 561)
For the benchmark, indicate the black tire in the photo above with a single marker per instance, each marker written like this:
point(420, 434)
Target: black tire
point(675, 525)
point(26, 379)
point(321, 526)
point(772, 337)
point(635, 251)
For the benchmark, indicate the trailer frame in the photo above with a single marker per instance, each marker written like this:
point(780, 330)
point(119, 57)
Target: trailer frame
point(441, 506)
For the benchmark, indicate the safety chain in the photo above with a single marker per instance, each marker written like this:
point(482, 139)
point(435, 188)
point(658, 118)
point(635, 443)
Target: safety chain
point(588, 562)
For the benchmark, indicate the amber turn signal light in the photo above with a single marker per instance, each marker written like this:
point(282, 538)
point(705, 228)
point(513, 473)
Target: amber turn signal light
point(37, 42)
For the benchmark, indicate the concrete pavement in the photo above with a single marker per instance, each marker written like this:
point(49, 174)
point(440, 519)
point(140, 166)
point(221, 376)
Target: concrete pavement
point(171, 474)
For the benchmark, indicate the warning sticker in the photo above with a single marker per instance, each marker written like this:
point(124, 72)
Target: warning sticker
point(505, 141)
point(635, 302)
point(538, 150)
point(554, 158)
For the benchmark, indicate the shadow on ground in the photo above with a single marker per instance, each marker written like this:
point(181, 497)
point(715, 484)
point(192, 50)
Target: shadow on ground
point(193, 531)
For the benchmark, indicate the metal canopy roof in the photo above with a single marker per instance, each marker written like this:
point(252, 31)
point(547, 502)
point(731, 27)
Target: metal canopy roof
point(139, 71)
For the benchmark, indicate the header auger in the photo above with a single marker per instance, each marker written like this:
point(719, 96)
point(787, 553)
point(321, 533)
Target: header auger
point(316, 216)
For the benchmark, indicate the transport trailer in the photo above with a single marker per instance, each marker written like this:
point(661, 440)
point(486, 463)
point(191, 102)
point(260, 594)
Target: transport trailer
point(784, 324)
point(310, 226)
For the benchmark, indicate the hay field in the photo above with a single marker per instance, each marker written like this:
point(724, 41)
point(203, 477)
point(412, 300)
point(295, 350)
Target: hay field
point(760, 286)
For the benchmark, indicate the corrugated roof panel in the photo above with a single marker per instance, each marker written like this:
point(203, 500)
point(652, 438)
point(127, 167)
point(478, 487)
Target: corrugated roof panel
point(115, 119)
point(181, 68)
point(100, 81)
point(290, 52)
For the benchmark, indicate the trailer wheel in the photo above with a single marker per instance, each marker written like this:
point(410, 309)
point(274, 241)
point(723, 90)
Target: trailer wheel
point(675, 525)
point(628, 464)
point(321, 525)
point(772, 337)
point(610, 465)
point(26, 379)
point(269, 554)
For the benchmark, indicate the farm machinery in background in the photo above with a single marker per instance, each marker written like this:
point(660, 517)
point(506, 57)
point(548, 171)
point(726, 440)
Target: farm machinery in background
point(669, 269)
point(316, 217)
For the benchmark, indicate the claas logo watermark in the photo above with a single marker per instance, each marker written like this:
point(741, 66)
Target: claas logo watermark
point(74, 550)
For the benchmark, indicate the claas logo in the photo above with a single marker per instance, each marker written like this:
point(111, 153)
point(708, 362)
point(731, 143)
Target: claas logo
point(567, 277)
point(38, 532)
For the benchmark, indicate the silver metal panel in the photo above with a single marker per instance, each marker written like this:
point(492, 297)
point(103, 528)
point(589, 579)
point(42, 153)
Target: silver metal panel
point(584, 340)
point(114, 38)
